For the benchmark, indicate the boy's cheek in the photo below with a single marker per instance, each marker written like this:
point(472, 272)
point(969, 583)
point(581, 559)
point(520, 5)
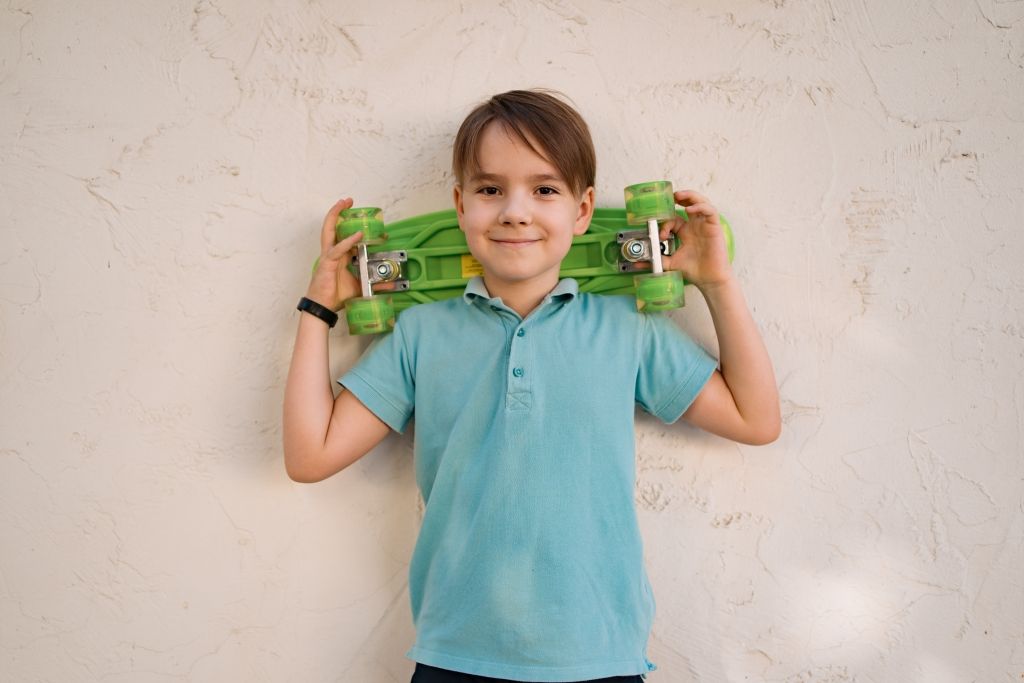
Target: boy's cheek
point(472, 216)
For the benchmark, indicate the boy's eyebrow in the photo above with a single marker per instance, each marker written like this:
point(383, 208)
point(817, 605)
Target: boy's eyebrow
point(536, 178)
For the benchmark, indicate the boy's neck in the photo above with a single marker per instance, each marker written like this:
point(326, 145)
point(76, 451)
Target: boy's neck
point(521, 297)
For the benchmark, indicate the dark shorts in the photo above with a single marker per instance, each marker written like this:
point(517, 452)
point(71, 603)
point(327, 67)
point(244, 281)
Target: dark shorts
point(430, 674)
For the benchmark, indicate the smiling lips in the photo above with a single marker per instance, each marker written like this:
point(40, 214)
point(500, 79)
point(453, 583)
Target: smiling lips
point(514, 243)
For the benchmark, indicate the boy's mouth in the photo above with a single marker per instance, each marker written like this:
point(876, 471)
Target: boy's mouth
point(514, 243)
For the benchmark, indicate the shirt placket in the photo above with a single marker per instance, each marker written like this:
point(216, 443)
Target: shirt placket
point(520, 392)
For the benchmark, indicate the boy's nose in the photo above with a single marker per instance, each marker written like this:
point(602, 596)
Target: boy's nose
point(515, 211)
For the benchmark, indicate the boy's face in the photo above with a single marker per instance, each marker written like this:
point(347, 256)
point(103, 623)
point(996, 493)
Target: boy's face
point(519, 214)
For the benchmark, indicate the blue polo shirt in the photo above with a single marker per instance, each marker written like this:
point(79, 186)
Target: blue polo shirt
point(529, 562)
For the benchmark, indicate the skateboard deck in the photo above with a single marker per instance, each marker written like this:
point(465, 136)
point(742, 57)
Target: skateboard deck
point(434, 263)
point(425, 258)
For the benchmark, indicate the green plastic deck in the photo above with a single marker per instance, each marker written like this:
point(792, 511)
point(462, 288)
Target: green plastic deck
point(439, 264)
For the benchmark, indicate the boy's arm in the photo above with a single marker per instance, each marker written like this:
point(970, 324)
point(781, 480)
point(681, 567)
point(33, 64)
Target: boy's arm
point(740, 402)
point(323, 435)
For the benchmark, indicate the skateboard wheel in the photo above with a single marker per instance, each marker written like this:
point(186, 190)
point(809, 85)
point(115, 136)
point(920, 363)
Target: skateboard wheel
point(659, 292)
point(730, 240)
point(649, 201)
point(370, 315)
point(369, 219)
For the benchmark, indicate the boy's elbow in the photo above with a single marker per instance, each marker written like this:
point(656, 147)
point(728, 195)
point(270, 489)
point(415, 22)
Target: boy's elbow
point(762, 435)
point(302, 470)
point(311, 466)
point(302, 477)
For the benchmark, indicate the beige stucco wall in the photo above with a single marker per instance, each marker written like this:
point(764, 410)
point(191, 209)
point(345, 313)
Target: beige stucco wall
point(165, 166)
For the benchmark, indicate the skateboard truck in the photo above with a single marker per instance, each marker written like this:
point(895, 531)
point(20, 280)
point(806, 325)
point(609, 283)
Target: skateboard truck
point(368, 314)
point(646, 204)
point(385, 271)
point(635, 250)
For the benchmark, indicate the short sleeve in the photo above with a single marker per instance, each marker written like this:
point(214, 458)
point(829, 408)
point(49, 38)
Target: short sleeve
point(383, 380)
point(672, 369)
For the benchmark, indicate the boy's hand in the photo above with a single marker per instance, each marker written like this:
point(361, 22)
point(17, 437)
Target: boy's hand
point(332, 284)
point(702, 257)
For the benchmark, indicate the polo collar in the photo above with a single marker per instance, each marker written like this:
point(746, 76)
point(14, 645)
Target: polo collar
point(565, 291)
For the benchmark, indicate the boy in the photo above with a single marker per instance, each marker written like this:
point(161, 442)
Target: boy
point(528, 566)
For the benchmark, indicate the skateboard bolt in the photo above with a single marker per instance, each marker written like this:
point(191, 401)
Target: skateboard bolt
point(635, 250)
point(385, 271)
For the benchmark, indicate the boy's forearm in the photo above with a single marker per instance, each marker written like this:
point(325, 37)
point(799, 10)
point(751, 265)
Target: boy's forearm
point(746, 367)
point(308, 399)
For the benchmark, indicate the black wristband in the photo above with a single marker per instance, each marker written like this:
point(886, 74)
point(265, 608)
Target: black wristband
point(318, 311)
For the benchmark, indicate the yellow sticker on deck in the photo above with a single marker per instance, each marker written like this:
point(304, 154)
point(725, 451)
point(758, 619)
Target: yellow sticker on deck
point(470, 266)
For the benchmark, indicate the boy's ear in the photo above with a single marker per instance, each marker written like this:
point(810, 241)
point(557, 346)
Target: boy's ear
point(457, 198)
point(586, 208)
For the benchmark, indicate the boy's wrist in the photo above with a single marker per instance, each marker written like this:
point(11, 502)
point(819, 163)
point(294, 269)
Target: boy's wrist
point(327, 299)
point(318, 310)
point(717, 287)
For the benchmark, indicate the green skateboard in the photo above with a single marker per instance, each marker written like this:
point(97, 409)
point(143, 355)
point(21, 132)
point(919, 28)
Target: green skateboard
point(425, 258)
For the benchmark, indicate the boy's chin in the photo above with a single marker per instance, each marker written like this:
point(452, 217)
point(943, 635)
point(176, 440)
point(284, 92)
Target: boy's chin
point(513, 278)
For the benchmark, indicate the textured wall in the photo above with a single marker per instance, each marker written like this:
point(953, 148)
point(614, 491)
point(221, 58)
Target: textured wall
point(165, 166)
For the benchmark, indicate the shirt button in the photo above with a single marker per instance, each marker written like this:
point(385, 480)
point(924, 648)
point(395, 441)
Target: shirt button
point(521, 332)
point(518, 372)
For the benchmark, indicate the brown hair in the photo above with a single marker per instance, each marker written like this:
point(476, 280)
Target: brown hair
point(539, 119)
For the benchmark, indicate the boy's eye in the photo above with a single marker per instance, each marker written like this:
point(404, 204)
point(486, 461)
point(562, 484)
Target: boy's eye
point(546, 190)
point(488, 190)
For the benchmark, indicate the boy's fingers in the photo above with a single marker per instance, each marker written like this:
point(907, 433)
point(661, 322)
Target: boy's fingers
point(327, 232)
point(687, 197)
point(343, 247)
point(670, 226)
point(702, 209)
point(696, 204)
